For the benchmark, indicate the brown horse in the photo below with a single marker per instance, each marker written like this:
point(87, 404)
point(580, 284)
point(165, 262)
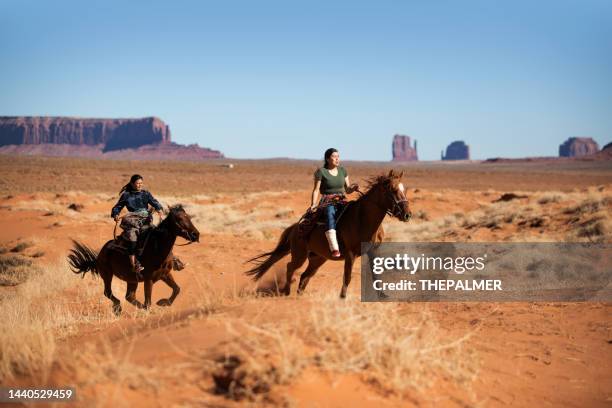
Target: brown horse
point(360, 222)
point(156, 259)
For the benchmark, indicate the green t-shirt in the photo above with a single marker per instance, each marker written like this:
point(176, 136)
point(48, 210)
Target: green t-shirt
point(331, 184)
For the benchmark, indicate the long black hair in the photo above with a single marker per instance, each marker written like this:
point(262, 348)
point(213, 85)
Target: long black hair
point(130, 186)
point(328, 154)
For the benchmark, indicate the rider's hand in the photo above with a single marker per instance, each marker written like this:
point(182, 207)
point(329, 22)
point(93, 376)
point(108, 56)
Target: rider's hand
point(116, 218)
point(313, 208)
point(353, 187)
point(160, 213)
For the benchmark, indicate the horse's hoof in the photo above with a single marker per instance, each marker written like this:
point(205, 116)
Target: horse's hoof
point(164, 302)
point(117, 310)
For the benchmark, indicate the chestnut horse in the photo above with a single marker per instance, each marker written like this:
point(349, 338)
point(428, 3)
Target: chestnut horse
point(156, 259)
point(360, 222)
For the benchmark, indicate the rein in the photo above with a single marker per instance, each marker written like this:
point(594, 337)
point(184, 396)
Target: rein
point(117, 222)
point(395, 211)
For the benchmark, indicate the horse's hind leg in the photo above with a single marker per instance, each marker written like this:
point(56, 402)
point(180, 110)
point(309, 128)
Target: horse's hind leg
point(108, 292)
point(169, 279)
point(297, 259)
point(130, 294)
point(148, 289)
point(314, 263)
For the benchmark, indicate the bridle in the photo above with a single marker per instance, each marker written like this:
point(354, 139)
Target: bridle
point(182, 230)
point(396, 210)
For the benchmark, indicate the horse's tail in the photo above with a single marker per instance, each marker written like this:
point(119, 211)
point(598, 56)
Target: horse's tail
point(282, 248)
point(82, 259)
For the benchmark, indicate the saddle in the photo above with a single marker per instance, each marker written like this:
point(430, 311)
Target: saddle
point(122, 244)
point(311, 219)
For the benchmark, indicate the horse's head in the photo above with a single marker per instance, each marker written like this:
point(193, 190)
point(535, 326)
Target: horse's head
point(394, 195)
point(181, 222)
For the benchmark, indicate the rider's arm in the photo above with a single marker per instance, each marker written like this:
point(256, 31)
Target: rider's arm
point(119, 206)
point(315, 194)
point(154, 203)
point(314, 200)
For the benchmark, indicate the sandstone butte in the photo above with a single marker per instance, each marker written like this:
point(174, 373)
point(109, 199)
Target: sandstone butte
point(401, 149)
point(578, 146)
point(146, 138)
point(457, 150)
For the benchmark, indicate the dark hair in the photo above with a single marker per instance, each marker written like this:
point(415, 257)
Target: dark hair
point(328, 154)
point(129, 186)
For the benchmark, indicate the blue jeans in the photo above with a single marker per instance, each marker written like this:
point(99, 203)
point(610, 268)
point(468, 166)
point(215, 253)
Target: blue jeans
point(330, 211)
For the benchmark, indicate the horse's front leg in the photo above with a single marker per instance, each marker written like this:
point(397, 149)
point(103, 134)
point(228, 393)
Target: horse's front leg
point(169, 279)
point(130, 294)
point(148, 289)
point(349, 258)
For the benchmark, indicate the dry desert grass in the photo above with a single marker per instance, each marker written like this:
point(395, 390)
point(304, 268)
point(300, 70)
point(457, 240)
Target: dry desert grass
point(55, 326)
point(392, 351)
point(572, 217)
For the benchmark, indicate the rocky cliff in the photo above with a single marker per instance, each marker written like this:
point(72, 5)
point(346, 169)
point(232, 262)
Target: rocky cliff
point(112, 134)
point(578, 146)
point(457, 150)
point(401, 149)
point(133, 139)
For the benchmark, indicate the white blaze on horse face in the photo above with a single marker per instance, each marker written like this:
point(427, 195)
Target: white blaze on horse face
point(400, 187)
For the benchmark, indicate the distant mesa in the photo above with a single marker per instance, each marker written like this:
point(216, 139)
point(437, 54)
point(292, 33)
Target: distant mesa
point(113, 134)
point(578, 146)
point(402, 151)
point(457, 150)
point(145, 138)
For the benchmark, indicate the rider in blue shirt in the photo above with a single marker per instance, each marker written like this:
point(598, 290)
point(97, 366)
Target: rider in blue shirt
point(137, 202)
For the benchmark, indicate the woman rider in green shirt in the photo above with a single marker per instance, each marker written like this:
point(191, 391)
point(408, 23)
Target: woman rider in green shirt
point(331, 182)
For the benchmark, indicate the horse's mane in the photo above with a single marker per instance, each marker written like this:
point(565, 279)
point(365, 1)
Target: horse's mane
point(177, 208)
point(172, 211)
point(373, 182)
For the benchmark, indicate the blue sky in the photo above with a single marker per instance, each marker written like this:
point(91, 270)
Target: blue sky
point(259, 79)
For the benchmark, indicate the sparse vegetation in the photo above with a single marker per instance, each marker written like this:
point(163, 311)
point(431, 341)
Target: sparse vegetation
point(22, 246)
point(394, 351)
point(574, 217)
point(15, 269)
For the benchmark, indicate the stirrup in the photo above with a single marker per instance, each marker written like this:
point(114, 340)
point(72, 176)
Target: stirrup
point(137, 268)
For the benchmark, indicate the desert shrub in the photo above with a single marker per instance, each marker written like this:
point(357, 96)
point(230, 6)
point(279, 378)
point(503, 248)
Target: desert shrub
point(593, 203)
point(22, 246)
point(551, 198)
point(15, 269)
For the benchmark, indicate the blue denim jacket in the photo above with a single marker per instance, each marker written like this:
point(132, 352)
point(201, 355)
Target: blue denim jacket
point(135, 201)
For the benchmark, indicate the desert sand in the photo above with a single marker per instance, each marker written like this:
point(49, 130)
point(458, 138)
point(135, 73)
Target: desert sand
point(313, 350)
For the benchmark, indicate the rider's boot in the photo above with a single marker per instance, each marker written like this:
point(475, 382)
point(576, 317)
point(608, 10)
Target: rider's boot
point(136, 266)
point(333, 243)
point(177, 264)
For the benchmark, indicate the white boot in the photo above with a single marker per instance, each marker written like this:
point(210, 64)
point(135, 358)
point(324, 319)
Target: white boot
point(333, 242)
